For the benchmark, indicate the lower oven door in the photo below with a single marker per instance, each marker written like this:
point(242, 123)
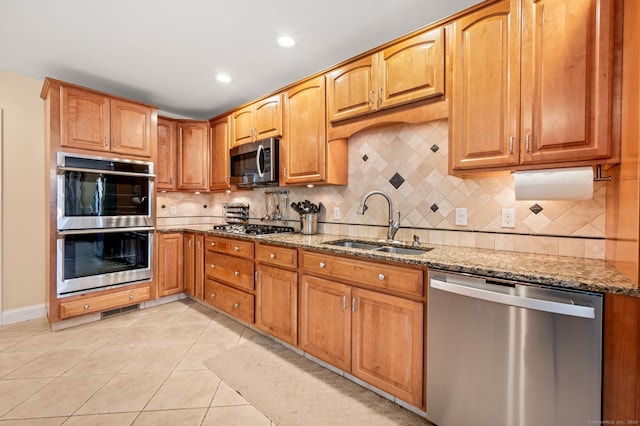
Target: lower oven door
point(96, 259)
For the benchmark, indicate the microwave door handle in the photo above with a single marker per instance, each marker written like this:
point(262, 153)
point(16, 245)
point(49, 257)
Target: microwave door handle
point(259, 156)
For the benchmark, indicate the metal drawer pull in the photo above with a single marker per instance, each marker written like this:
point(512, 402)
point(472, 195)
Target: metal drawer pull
point(323, 265)
point(236, 273)
point(86, 306)
point(236, 248)
point(131, 297)
point(213, 295)
point(272, 255)
point(381, 277)
point(213, 266)
point(213, 244)
point(236, 305)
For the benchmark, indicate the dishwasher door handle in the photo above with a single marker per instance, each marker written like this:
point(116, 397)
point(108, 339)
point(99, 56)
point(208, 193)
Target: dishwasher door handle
point(520, 302)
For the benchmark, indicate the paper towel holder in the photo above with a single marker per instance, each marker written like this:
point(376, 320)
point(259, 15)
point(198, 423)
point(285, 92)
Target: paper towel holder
point(598, 177)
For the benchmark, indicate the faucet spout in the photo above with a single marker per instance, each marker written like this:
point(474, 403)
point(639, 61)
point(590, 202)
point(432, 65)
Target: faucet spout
point(393, 227)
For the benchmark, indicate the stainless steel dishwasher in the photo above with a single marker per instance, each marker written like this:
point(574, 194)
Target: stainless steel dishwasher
point(509, 353)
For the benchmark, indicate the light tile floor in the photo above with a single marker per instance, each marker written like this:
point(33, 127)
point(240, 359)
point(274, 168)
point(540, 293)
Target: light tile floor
point(141, 368)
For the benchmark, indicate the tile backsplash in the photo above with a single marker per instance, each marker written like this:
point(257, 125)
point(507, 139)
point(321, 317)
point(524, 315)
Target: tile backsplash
point(410, 163)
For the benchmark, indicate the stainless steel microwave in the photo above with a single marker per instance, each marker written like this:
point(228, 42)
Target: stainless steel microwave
point(255, 164)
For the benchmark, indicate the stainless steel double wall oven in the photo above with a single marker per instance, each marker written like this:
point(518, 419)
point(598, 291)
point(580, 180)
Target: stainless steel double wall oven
point(105, 222)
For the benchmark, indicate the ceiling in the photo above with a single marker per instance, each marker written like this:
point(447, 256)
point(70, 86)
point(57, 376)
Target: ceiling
point(167, 52)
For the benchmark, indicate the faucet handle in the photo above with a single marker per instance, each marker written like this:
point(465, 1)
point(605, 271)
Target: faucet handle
point(397, 224)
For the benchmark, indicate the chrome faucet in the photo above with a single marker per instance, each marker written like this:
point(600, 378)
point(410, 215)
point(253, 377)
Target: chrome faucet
point(393, 227)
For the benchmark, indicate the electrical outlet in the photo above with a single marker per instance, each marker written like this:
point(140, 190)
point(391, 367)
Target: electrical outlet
point(173, 211)
point(336, 213)
point(508, 218)
point(461, 216)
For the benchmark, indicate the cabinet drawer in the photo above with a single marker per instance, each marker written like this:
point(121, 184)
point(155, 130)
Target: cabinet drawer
point(280, 256)
point(228, 299)
point(230, 269)
point(103, 302)
point(230, 246)
point(395, 278)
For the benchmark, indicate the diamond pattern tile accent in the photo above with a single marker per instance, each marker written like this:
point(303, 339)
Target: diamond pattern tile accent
point(536, 208)
point(435, 148)
point(396, 180)
point(365, 157)
point(163, 206)
point(434, 208)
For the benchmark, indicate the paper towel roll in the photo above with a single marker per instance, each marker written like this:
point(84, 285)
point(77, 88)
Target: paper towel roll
point(572, 183)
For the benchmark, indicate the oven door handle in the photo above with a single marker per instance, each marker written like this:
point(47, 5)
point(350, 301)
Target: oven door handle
point(104, 231)
point(62, 169)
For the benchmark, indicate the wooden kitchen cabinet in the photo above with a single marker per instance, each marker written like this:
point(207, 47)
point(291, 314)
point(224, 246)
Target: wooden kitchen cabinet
point(260, 120)
point(94, 121)
point(219, 173)
point(308, 157)
point(404, 72)
point(535, 90)
point(229, 276)
point(193, 155)
point(194, 265)
point(277, 292)
point(167, 154)
point(376, 336)
point(103, 302)
point(170, 263)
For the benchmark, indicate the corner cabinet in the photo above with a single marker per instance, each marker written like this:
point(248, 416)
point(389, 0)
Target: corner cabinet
point(219, 173)
point(193, 155)
point(308, 157)
point(404, 72)
point(94, 121)
point(532, 85)
point(260, 120)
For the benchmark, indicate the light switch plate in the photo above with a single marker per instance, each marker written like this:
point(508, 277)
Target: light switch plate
point(461, 216)
point(508, 218)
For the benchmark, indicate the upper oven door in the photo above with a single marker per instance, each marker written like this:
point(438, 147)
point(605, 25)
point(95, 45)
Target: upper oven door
point(255, 164)
point(97, 193)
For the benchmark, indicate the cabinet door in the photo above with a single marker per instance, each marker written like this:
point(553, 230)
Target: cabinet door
point(198, 275)
point(84, 120)
point(411, 70)
point(350, 89)
point(484, 120)
point(242, 121)
point(130, 128)
point(277, 302)
point(167, 151)
point(193, 155)
point(387, 342)
point(189, 263)
point(306, 133)
point(567, 75)
point(219, 179)
point(170, 266)
point(325, 321)
point(268, 117)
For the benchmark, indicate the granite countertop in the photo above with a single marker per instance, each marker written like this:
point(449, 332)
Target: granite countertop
point(557, 271)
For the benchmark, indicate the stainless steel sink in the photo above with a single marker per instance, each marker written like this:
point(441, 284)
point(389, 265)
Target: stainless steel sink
point(401, 250)
point(383, 248)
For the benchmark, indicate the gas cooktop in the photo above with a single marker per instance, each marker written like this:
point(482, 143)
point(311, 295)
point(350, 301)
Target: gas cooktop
point(254, 229)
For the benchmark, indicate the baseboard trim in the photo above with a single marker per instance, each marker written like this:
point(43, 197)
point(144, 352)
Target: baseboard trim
point(23, 314)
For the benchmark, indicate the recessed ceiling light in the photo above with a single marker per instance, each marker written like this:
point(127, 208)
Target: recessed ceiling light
point(286, 41)
point(223, 78)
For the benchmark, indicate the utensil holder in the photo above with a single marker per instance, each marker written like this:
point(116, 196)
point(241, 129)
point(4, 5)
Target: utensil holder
point(309, 223)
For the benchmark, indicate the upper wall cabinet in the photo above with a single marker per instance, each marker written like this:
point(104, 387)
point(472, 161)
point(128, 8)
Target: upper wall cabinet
point(308, 157)
point(262, 119)
point(167, 153)
point(407, 71)
point(97, 122)
point(219, 176)
point(193, 155)
point(532, 85)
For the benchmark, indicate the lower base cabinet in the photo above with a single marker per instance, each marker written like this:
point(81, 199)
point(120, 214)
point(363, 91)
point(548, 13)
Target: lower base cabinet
point(104, 302)
point(276, 302)
point(194, 265)
point(170, 263)
point(376, 337)
point(230, 300)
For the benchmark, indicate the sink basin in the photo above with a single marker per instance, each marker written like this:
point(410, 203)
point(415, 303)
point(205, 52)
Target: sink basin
point(353, 244)
point(401, 250)
point(378, 247)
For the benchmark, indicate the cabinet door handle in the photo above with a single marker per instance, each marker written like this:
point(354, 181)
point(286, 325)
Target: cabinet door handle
point(527, 142)
point(511, 145)
point(106, 141)
point(213, 266)
point(236, 305)
point(114, 142)
point(284, 172)
point(353, 304)
point(190, 243)
point(236, 273)
point(371, 101)
point(255, 276)
point(323, 265)
point(198, 245)
point(170, 181)
point(379, 97)
point(344, 302)
point(381, 277)
point(213, 295)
